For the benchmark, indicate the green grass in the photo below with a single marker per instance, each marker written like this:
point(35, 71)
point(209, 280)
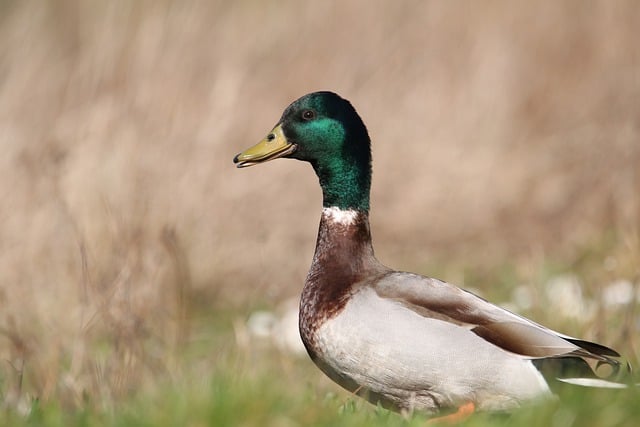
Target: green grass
point(264, 399)
point(221, 376)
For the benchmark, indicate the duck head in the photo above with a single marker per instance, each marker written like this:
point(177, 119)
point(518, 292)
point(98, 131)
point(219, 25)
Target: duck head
point(325, 130)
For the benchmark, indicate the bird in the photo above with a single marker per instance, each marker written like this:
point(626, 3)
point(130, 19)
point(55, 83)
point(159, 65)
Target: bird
point(402, 340)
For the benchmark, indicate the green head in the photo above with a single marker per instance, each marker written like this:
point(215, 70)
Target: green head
point(325, 130)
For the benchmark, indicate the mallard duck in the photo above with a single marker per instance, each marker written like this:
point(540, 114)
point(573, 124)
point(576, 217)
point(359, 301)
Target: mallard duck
point(402, 340)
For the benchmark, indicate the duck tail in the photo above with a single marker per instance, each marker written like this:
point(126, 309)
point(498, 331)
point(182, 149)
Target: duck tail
point(594, 382)
point(593, 365)
point(619, 376)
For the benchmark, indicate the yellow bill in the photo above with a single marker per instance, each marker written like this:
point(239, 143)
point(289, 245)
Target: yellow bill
point(271, 147)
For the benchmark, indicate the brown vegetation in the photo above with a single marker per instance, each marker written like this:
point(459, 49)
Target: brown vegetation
point(501, 130)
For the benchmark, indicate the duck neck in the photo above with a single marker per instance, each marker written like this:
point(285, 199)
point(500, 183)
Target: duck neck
point(344, 242)
point(346, 182)
point(343, 257)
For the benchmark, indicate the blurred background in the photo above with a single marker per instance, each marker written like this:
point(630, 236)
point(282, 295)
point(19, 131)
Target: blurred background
point(506, 144)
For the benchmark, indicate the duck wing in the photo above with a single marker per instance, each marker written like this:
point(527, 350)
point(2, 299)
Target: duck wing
point(513, 333)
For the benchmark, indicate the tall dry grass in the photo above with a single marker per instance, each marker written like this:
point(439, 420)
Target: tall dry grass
point(500, 130)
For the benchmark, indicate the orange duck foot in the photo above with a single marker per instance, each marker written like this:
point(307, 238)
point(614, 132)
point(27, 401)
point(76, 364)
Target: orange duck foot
point(461, 414)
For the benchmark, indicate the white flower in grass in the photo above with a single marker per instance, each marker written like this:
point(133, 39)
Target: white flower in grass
point(522, 297)
point(564, 294)
point(281, 328)
point(620, 292)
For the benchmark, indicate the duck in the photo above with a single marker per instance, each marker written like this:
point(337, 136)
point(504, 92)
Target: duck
point(402, 340)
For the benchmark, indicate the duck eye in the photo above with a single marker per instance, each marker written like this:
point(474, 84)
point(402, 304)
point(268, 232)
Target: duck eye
point(308, 115)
